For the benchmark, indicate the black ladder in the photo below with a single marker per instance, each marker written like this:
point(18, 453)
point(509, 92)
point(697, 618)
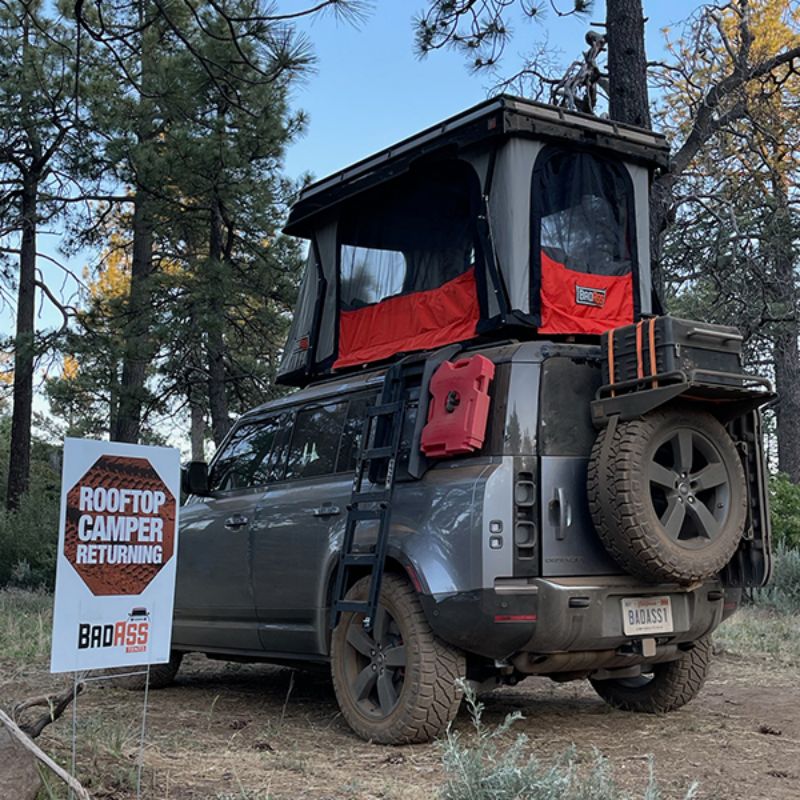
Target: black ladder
point(377, 460)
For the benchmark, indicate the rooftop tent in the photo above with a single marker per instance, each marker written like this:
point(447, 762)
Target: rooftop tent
point(510, 215)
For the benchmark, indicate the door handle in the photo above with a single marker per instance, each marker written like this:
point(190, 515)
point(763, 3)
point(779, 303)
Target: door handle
point(327, 510)
point(236, 521)
point(560, 513)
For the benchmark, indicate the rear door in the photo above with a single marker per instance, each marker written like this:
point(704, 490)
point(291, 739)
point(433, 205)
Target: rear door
point(300, 524)
point(570, 545)
point(215, 607)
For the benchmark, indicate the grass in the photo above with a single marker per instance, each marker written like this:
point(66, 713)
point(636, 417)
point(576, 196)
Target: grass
point(25, 624)
point(783, 592)
point(761, 633)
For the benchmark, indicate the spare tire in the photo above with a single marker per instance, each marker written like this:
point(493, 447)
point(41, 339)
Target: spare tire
point(668, 494)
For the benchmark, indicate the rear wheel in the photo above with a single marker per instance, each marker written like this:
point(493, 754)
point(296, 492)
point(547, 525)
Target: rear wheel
point(670, 685)
point(397, 683)
point(668, 495)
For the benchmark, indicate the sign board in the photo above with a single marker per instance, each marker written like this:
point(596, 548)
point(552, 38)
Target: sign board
point(117, 550)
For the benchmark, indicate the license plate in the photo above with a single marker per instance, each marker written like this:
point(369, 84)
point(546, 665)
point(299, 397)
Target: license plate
point(642, 615)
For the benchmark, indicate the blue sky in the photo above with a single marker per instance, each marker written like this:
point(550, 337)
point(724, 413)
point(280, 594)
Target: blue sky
point(370, 89)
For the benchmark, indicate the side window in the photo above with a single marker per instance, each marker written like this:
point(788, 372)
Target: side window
point(353, 428)
point(315, 442)
point(245, 461)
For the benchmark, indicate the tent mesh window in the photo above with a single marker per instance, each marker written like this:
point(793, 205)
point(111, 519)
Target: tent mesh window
point(584, 242)
point(408, 261)
point(415, 237)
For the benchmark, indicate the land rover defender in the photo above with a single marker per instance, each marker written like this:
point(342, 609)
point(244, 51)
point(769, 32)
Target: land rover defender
point(500, 462)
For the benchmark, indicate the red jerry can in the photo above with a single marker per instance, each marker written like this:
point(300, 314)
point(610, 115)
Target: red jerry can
point(459, 407)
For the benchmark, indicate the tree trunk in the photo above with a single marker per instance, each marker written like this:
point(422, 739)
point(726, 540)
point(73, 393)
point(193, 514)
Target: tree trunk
point(627, 63)
point(198, 432)
point(215, 343)
point(629, 103)
point(20, 451)
point(785, 349)
point(138, 345)
point(787, 409)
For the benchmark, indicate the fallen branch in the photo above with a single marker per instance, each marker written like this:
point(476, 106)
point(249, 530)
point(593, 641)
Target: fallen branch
point(55, 705)
point(38, 753)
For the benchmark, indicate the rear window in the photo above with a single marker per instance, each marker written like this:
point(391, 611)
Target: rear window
point(568, 388)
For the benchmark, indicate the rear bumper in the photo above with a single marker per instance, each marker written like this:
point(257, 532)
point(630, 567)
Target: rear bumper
point(568, 615)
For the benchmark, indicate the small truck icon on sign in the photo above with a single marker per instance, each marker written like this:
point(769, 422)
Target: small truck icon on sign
point(139, 614)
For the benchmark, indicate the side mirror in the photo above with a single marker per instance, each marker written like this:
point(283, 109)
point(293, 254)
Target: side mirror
point(194, 478)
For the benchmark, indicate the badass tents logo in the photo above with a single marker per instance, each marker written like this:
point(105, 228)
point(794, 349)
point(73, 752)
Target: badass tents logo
point(132, 633)
point(590, 297)
point(120, 525)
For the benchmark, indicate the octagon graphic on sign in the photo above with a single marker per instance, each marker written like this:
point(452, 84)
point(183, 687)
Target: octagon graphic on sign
point(120, 525)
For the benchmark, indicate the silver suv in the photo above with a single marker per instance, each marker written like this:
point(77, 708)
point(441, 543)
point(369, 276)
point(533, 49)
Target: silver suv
point(494, 569)
point(499, 463)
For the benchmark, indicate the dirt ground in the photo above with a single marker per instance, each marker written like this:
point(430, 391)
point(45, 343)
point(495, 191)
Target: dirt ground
point(255, 731)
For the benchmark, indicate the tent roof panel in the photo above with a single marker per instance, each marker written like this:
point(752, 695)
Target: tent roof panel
point(492, 120)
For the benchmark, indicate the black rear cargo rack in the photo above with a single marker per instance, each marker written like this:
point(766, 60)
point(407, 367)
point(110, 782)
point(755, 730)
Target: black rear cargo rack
point(731, 394)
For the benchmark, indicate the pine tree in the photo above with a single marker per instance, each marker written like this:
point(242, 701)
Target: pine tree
point(36, 117)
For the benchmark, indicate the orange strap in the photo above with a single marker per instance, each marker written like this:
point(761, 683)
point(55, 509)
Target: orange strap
point(639, 357)
point(653, 350)
point(611, 375)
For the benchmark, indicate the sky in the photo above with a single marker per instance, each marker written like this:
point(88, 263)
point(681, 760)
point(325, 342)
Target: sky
point(370, 89)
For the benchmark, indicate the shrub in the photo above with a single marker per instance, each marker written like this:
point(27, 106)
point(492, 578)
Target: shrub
point(784, 499)
point(783, 592)
point(28, 542)
point(482, 768)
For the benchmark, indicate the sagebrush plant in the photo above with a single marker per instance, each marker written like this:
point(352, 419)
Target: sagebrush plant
point(485, 766)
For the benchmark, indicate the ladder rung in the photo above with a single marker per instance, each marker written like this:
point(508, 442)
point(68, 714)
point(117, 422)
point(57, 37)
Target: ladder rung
point(379, 452)
point(354, 606)
point(359, 559)
point(384, 409)
point(364, 514)
point(370, 497)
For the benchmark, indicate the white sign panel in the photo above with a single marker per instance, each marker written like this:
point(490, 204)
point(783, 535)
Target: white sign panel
point(117, 549)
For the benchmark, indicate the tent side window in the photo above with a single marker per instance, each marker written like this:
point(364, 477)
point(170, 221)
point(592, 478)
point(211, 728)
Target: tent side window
point(584, 212)
point(408, 265)
point(415, 237)
point(584, 275)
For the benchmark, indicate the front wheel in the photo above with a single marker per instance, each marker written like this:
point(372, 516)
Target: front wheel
point(398, 683)
point(161, 675)
point(670, 686)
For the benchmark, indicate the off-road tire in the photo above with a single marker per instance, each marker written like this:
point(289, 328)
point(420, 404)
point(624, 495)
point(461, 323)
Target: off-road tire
point(672, 684)
point(622, 507)
point(431, 692)
point(161, 675)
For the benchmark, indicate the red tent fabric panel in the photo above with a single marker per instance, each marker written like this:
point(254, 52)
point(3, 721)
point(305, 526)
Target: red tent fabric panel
point(402, 324)
point(578, 302)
